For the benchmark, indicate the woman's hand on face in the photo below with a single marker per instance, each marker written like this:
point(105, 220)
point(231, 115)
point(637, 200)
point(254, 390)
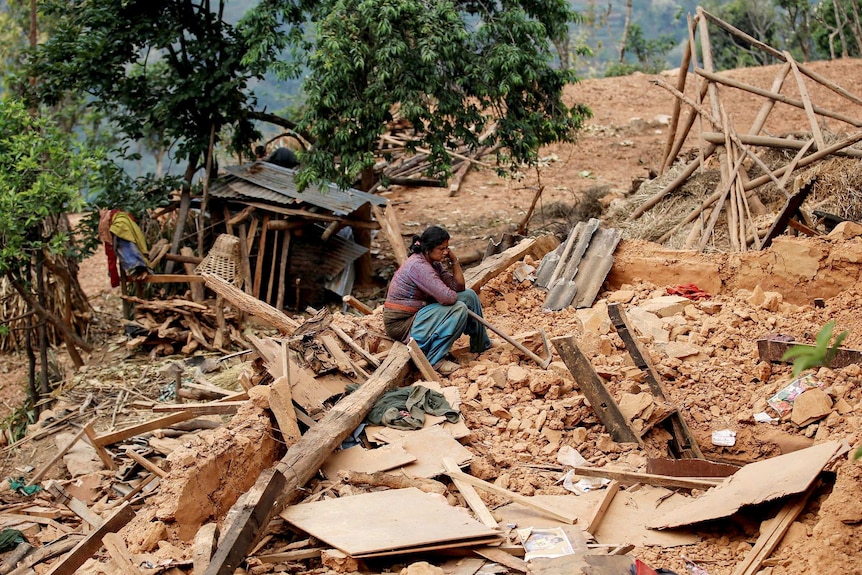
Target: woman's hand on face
point(453, 259)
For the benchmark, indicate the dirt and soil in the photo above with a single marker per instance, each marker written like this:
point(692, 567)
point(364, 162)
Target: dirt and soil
point(521, 415)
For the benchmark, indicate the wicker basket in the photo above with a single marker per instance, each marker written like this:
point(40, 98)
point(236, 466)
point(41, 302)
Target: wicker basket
point(224, 260)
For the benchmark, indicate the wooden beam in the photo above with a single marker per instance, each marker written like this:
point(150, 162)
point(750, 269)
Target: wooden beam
point(773, 350)
point(601, 401)
point(77, 506)
point(280, 484)
point(631, 477)
point(389, 222)
point(213, 408)
point(103, 454)
point(171, 279)
point(57, 456)
point(491, 267)
point(249, 304)
point(146, 463)
point(206, 540)
point(357, 305)
point(90, 544)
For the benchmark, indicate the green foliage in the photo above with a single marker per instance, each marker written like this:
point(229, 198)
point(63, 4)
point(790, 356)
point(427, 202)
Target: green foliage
point(168, 72)
point(757, 18)
point(651, 53)
point(450, 69)
point(805, 357)
point(41, 176)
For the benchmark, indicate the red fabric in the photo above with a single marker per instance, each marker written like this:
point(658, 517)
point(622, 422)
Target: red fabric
point(112, 264)
point(689, 291)
point(642, 568)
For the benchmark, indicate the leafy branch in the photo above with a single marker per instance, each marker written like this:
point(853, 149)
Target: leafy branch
point(805, 357)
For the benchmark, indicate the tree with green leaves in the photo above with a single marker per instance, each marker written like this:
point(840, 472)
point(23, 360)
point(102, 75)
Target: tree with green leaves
point(42, 173)
point(452, 69)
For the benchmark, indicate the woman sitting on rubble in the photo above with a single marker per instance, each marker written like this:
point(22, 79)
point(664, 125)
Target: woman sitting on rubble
point(429, 303)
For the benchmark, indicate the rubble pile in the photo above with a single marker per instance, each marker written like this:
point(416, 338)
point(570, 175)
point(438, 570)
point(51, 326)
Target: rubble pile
point(184, 450)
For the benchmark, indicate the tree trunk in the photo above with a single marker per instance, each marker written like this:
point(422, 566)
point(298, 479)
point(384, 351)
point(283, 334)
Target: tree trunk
point(182, 216)
point(625, 35)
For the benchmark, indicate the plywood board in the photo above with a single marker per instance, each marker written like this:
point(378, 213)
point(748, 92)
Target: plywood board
point(384, 521)
point(755, 483)
point(430, 446)
point(366, 460)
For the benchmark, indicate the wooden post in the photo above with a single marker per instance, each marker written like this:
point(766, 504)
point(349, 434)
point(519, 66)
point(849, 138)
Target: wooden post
point(282, 270)
point(196, 288)
point(278, 485)
point(261, 252)
point(685, 443)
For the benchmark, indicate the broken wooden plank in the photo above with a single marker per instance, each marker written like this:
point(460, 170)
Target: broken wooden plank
point(146, 463)
point(632, 477)
point(278, 485)
point(85, 549)
point(772, 532)
point(103, 454)
point(601, 401)
point(120, 554)
point(392, 229)
point(44, 553)
point(77, 506)
point(294, 555)
point(357, 305)
point(474, 501)
point(516, 497)
point(499, 556)
point(772, 349)
point(602, 508)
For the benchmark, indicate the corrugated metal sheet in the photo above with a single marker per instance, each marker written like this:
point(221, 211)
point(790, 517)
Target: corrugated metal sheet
point(265, 181)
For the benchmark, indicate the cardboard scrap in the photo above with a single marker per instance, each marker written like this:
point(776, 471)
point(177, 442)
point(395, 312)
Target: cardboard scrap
point(755, 483)
point(366, 460)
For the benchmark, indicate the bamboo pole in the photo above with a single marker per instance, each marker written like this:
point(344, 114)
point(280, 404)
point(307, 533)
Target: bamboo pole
point(677, 106)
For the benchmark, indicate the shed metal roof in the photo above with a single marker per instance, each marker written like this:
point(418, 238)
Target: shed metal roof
point(271, 183)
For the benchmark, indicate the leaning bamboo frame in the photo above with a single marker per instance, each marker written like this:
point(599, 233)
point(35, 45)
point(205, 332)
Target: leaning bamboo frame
point(736, 189)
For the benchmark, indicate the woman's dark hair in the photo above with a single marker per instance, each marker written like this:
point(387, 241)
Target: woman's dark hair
point(430, 239)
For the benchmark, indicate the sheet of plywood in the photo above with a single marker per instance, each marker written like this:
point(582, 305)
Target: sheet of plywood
point(755, 483)
point(384, 521)
point(430, 445)
point(366, 460)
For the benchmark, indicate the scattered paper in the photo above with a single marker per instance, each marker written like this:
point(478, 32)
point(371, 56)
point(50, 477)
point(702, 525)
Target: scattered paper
point(764, 417)
point(550, 542)
point(782, 402)
point(584, 484)
point(725, 437)
point(568, 455)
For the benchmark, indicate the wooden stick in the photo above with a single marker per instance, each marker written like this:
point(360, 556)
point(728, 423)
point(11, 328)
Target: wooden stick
point(769, 103)
point(45, 553)
point(806, 102)
point(427, 151)
point(357, 305)
point(470, 496)
point(684, 175)
point(354, 346)
point(631, 477)
point(670, 147)
point(77, 506)
point(599, 512)
point(59, 455)
point(777, 97)
point(171, 279)
point(135, 490)
point(516, 497)
point(103, 454)
point(282, 269)
point(146, 463)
